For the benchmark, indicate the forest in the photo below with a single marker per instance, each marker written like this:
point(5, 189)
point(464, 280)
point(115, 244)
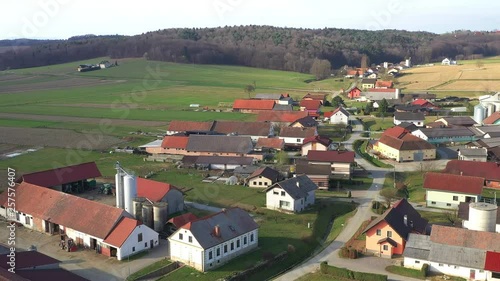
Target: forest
point(292, 49)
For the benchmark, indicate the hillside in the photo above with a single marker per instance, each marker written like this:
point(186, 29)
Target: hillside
point(257, 46)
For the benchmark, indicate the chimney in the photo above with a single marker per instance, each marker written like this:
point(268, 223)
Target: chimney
point(217, 231)
point(405, 219)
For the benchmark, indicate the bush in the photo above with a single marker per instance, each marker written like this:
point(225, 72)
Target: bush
point(363, 276)
point(424, 269)
point(348, 274)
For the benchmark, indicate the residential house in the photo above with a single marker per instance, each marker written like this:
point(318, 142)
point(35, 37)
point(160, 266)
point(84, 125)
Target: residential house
point(318, 97)
point(305, 122)
point(469, 212)
point(354, 93)
point(341, 162)
point(448, 190)
point(490, 171)
point(263, 177)
point(424, 103)
point(399, 144)
point(473, 154)
point(315, 143)
point(281, 118)
point(388, 234)
point(294, 194)
point(493, 119)
point(252, 106)
point(294, 137)
point(156, 191)
point(211, 241)
point(338, 116)
point(319, 174)
point(115, 234)
point(178, 126)
point(383, 84)
point(462, 121)
point(311, 106)
point(223, 163)
point(65, 178)
point(416, 118)
point(269, 144)
point(445, 135)
point(286, 100)
point(368, 83)
point(469, 254)
point(254, 130)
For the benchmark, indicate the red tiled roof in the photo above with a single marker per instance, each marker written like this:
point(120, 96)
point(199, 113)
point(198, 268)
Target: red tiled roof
point(121, 232)
point(319, 97)
point(486, 170)
point(181, 220)
point(182, 126)
point(462, 237)
point(175, 142)
point(281, 116)
point(453, 183)
point(64, 175)
point(382, 84)
point(420, 102)
point(331, 113)
point(243, 128)
point(323, 140)
point(310, 104)
point(153, 190)
point(270, 143)
point(331, 156)
point(28, 259)
point(492, 262)
point(254, 104)
point(405, 143)
point(58, 207)
point(396, 132)
point(381, 90)
point(492, 119)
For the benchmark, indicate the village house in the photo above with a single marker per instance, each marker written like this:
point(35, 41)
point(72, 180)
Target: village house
point(383, 84)
point(209, 242)
point(266, 144)
point(368, 83)
point(294, 137)
point(416, 118)
point(448, 190)
point(424, 103)
point(304, 122)
point(354, 93)
point(281, 118)
point(319, 174)
point(294, 194)
point(315, 143)
point(252, 105)
point(469, 254)
point(473, 154)
point(490, 171)
point(161, 192)
point(311, 106)
point(318, 97)
point(399, 144)
point(263, 177)
point(388, 234)
point(339, 116)
point(116, 234)
point(341, 162)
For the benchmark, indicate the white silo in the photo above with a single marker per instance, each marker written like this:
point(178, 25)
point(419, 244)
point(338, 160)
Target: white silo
point(130, 191)
point(160, 214)
point(386, 65)
point(119, 190)
point(491, 109)
point(479, 113)
point(482, 216)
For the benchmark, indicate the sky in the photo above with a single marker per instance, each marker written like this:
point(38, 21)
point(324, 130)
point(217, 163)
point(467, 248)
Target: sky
point(61, 19)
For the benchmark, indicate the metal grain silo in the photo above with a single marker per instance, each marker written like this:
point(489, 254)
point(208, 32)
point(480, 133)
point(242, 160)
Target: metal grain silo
point(479, 113)
point(160, 213)
point(482, 216)
point(147, 214)
point(491, 109)
point(130, 191)
point(138, 201)
point(119, 190)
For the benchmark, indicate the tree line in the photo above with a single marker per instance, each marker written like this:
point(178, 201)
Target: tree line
point(292, 49)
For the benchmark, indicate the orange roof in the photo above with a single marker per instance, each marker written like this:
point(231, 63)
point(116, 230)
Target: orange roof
point(121, 232)
point(175, 142)
point(381, 90)
point(270, 143)
point(310, 96)
point(492, 119)
point(383, 84)
point(182, 219)
point(281, 116)
point(182, 126)
point(254, 104)
point(310, 104)
point(396, 132)
point(453, 183)
point(153, 190)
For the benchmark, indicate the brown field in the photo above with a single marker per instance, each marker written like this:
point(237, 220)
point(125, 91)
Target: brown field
point(56, 138)
point(419, 85)
point(51, 85)
point(492, 71)
point(468, 85)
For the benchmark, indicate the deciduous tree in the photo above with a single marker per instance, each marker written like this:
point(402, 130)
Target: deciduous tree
point(321, 69)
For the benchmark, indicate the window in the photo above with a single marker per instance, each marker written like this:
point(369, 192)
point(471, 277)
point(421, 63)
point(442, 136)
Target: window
point(417, 261)
point(275, 192)
point(455, 198)
point(180, 236)
point(379, 232)
point(190, 239)
point(251, 237)
point(139, 237)
point(232, 246)
point(225, 249)
point(146, 245)
point(386, 248)
point(238, 243)
point(433, 203)
point(133, 249)
point(298, 140)
point(448, 204)
point(210, 255)
point(440, 264)
point(254, 183)
point(389, 233)
point(260, 183)
point(283, 193)
point(28, 220)
point(244, 240)
point(218, 252)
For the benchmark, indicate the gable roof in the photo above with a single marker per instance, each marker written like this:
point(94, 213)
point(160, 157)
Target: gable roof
point(486, 170)
point(368, 81)
point(331, 156)
point(319, 97)
point(181, 220)
point(320, 139)
point(421, 102)
point(396, 132)
point(268, 96)
point(276, 143)
point(407, 142)
point(153, 190)
point(121, 232)
point(338, 109)
point(458, 120)
point(383, 84)
point(408, 116)
point(473, 152)
point(453, 183)
point(174, 142)
point(253, 104)
point(283, 107)
point(408, 126)
point(221, 144)
point(281, 116)
point(466, 238)
point(308, 169)
point(447, 132)
point(266, 172)
point(492, 119)
point(232, 223)
point(492, 261)
point(395, 217)
point(58, 207)
point(294, 132)
point(242, 128)
point(63, 175)
point(307, 121)
point(310, 104)
point(297, 187)
point(182, 126)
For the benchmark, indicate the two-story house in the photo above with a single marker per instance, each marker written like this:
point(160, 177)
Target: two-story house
point(294, 137)
point(315, 143)
point(293, 195)
point(338, 116)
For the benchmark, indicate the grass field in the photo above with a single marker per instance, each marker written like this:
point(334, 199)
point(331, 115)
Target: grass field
point(414, 182)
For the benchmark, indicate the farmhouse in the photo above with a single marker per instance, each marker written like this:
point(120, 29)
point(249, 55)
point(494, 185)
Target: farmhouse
point(473, 154)
point(311, 106)
point(269, 144)
point(161, 192)
point(294, 194)
point(294, 137)
point(319, 174)
point(214, 240)
point(116, 234)
point(263, 177)
point(171, 145)
point(469, 254)
point(315, 143)
point(417, 118)
point(445, 135)
point(383, 84)
point(341, 162)
point(252, 106)
point(387, 235)
point(338, 116)
point(214, 145)
point(399, 144)
point(448, 190)
point(304, 122)
point(281, 117)
point(368, 83)
point(490, 171)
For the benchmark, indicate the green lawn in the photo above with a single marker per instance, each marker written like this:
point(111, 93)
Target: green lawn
point(377, 123)
point(491, 194)
point(435, 218)
point(149, 268)
point(360, 147)
point(414, 182)
point(407, 272)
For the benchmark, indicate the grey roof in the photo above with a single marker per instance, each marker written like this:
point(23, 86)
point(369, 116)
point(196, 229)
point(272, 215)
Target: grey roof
point(418, 246)
point(219, 144)
point(409, 116)
point(297, 187)
point(227, 160)
point(378, 95)
point(268, 96)
point(242, 128)
point(307, 121)
point(248, 170)
point(266, 172)
point(408, 126)
point(232, 223)
point(455, 255)
point(459, 120)
point(294, 132)
point(490, 142)
point(447, 132)
point(368, 81)
point(283, 107)
point(156, 143)
point(309, 169)
point(473, 152)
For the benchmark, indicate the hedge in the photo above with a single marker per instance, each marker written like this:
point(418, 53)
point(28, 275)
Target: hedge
point(349, 274)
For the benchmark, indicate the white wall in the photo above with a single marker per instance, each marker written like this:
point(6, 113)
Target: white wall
point(418, 123)
point(445, 199)
point(259, 182)
point(132, 246)
point(419, 134)
point(447, 269)
point(297, 141)
point(273, 200)
point(339, 118)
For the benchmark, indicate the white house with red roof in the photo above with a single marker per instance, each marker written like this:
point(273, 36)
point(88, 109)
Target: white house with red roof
point(209, 242)
point(338, 116)
point(447, 190)
point(161, 192)
point(320, 143)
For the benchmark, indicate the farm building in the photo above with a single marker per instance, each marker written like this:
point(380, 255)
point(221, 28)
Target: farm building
point(318, 97)
point(161, 192)
point(116, 234)
point(473, 154)
point(294, 194)
point(209, 242)
point(217, 162)
point(294, 137)
point(269, 144)
point(462, 121)
point(448, 190)
point(383, 84)
point(178, 126)
point(479, 216)
point(399, 144)
point(263, 177)
point(445, 135)
point(281, 118)
point(253, 106)
point(341, 162)
point(319, 174)
point(311, 106)
point(493, 119)
point(490, 171)
point(254, 130)
point(380, 94)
